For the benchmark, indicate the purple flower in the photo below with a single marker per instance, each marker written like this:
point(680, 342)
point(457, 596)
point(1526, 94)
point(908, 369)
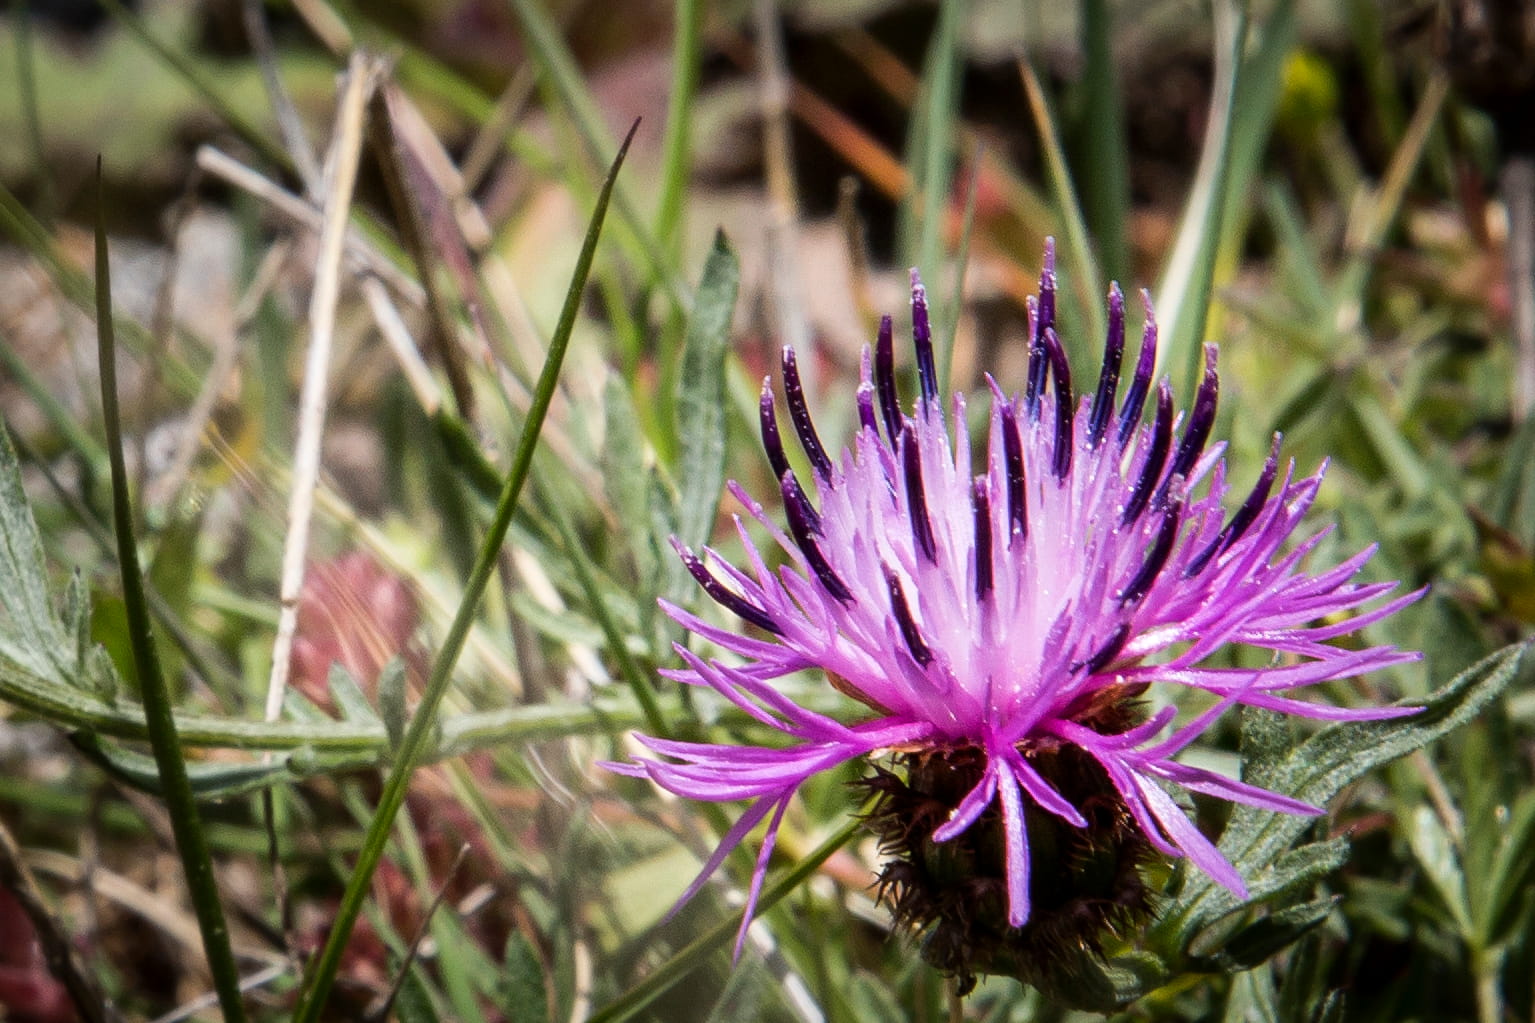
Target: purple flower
point(1005, 619)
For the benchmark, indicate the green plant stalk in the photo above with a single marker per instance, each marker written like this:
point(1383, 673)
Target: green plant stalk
point(414, 744)
point(186, 824)
point(693, 954)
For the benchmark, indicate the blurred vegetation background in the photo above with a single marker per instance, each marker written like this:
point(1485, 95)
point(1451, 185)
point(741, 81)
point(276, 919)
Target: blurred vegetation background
point(1341, 194)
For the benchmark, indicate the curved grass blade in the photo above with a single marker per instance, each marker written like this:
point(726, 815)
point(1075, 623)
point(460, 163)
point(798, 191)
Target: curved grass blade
point(180, 801)
point(422, 725)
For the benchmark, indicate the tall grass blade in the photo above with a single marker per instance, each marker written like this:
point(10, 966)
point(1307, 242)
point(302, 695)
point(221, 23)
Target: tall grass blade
point(1105, 164)
point(323, 973)
point(180, 803)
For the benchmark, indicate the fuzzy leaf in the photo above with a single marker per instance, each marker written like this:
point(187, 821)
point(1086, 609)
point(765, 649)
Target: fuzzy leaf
point(391, 701)
point(519, 991)
point(1096, 985)
point(1254, 944)
point(1318, 769)
point(348, 696)
point(30, 634)
point(701, 395)
point(1434, 850)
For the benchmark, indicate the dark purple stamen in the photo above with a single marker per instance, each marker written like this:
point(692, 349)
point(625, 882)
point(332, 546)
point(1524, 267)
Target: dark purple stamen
point(980, 499)
point(1106, 653)
point(1201, 421)
point(1046, 317)
point(1012, 455)
point(722, 595)
point(1157, 557)
point(799, 414)
point(866, 419)
point(804, 525)
point(772, 441)
point(1039, 367)
point(1245, 516)
point(908, 626)
point(1140, 385)
point(916, 497)
point(1061, 463)
point(884, 378)
point(1108, 378)
point(922, 334)
point(1156, 456)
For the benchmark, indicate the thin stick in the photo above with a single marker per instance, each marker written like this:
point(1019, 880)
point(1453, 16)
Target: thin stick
point(58, 953)
point(288, 123)
point(380, 1012)
point(1517, 185)
point(250, 982)
point(231, 171)
point(346, 147)
point(397, 336)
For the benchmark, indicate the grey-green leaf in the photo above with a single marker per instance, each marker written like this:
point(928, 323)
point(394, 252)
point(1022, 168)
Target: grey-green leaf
point(701, 395)
point(348, 696)
point(391, 700)
point(1318, 769)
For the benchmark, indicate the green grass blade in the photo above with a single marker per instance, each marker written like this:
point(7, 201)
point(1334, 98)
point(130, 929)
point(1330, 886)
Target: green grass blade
point(547, 47)
point(323, 974)
point(1105, 152)
point(1183, 298)
point(180, 802)
point(930, 154)
point(675, 149)
point(1079, 249)
point(719, 936)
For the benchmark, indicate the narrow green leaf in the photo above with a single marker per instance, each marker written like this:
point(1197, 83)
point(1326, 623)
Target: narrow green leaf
point(1079, 249)
point(930, 145)
point(520, 992)
point(1434, 850)
point(1242, 111)
point(1105, 150)
point(688, 18)
point(700, 423)
point(423, 723)
point(210, 781)
point(1498, 897)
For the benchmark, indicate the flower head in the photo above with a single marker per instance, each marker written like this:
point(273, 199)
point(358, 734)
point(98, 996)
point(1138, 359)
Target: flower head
point(996, 630)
